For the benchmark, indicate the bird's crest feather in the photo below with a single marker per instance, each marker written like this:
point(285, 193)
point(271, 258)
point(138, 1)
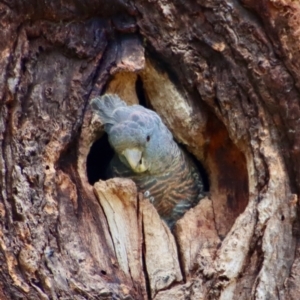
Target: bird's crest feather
point(105, 106)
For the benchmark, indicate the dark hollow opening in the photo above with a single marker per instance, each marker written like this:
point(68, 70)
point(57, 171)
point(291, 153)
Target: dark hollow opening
point(98, 159)
point(203, 173)
point(141, 94)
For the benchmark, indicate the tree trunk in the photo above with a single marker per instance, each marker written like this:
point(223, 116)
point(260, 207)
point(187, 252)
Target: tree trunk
point(223, 76)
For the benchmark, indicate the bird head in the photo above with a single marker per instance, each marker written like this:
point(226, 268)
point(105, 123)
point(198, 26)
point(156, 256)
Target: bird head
point(138, 136)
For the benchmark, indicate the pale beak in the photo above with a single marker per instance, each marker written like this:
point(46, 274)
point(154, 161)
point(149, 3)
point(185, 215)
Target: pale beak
point(133, 157)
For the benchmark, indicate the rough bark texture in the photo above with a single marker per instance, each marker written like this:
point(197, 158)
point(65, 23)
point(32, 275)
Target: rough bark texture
point(224, 77)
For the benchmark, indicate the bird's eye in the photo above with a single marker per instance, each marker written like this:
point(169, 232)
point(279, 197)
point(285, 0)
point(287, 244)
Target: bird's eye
point(148, 138)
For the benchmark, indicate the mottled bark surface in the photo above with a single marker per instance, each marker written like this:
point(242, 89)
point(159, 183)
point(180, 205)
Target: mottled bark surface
point(224, 77)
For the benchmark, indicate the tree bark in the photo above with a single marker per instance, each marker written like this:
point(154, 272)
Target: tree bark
point(223, 76)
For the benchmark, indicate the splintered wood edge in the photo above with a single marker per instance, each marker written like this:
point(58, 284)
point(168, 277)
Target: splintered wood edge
point(118, 198)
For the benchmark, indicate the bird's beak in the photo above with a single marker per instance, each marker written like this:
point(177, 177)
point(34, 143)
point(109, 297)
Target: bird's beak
point(133, 157)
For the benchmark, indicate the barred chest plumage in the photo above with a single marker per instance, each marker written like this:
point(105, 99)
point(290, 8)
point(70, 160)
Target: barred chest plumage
point(173, 191)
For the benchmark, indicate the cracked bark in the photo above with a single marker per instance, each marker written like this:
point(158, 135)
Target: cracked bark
point(223, 75)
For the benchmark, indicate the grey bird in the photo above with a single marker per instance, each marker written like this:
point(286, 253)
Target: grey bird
point(146, 152)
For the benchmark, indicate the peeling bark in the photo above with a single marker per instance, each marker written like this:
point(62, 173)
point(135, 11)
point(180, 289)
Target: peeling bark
point(223, 76)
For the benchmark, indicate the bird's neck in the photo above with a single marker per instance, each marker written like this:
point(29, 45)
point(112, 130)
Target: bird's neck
point(166, 159)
